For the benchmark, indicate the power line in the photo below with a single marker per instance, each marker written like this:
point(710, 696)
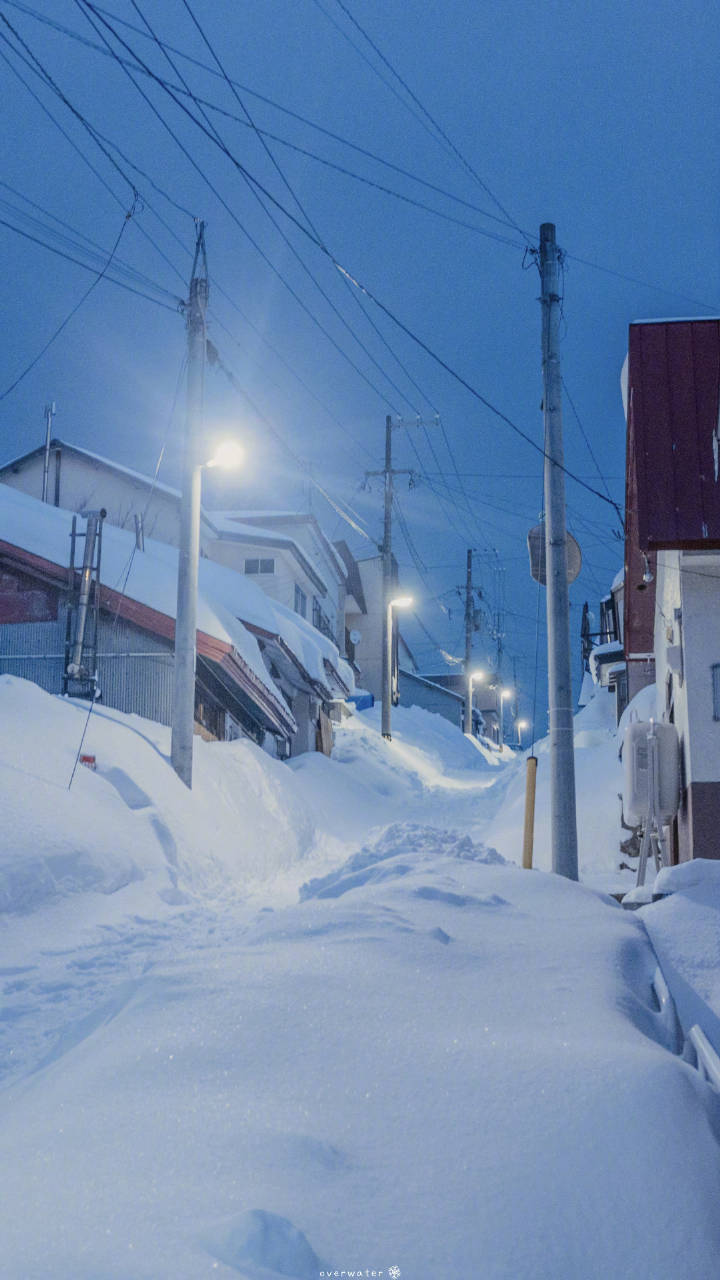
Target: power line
point(69, 258)
point(311, 124)
point(74, 311)
point(214, 137)
point(439, 129)
point(37, 69)
point(335, 137)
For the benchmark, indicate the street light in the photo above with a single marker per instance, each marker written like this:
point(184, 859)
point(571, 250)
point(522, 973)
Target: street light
point(522, 724)
point(479, 677)
point(502, 695)
point(229, 454)
point(400, 602)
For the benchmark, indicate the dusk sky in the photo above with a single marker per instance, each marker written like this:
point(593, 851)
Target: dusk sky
point(600, 118)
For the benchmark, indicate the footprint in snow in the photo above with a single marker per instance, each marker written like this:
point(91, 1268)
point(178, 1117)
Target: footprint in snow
point(459, 899)
point(262, 1244)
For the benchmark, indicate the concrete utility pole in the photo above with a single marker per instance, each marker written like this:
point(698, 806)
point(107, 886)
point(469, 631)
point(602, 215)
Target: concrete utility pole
point(387, 585)
point(183, 720)
point(388, 474)
point(469, 623)
point(49, 415)
point(562, 747)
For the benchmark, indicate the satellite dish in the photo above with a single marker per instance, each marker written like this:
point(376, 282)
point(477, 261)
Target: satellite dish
point(355, 636)
point(536, 547)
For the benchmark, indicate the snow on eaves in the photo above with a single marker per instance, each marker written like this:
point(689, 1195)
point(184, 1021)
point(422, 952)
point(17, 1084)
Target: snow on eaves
point(148, 577)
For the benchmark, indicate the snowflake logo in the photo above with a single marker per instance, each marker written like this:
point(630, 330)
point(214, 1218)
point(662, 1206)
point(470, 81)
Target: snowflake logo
point(394, 1273)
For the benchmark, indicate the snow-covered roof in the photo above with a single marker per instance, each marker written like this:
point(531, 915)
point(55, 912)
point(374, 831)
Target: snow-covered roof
point(618, 580)
point(149, 577)
point(94, 457)
point(246, 516)
point(225, 526)
point(226, 599)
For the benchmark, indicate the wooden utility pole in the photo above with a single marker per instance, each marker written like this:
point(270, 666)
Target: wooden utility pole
point(562, 747)
point(183, 715)
point(469, 625)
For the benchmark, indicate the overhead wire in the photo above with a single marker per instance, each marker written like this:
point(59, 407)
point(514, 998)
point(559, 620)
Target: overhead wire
point(85, 5)
point(313, 231)
point(36, 68)
point(664, 288)
point(467, 166)
point(63, 325)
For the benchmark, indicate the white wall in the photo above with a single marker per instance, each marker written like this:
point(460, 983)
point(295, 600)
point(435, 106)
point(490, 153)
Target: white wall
point(690, 583)
point(368, 651)
point(86, 485)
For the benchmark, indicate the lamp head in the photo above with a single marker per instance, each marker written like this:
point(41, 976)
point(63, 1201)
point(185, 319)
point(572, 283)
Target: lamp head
point(401, 602)
point(227, 456)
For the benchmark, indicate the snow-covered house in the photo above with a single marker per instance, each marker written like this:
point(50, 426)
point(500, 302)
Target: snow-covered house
point(297, 636)
point(672, 566)
point(365, 624)
point(292, 559)
point(133, 640)
point(444, 694)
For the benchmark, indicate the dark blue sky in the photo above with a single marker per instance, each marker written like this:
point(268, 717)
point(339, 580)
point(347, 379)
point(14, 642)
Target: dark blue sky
point(599, 117)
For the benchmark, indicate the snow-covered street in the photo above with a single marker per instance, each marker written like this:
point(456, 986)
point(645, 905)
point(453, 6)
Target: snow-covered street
point(343, 1033)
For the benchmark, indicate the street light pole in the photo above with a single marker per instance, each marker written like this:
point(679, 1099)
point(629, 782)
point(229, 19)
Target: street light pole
point(387, 584)
point(468, 643)
point(183, 716)
point(401, 602)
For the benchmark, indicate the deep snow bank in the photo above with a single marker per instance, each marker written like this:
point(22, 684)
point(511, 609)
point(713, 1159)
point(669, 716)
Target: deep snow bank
point(133, 820)
point(248, 819)
point(598, 781)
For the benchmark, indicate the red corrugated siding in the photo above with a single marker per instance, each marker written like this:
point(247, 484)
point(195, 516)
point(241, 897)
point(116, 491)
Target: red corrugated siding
point(673, 402)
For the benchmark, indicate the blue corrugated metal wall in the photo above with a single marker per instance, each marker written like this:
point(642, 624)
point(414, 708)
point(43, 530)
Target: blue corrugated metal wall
point(135, 669)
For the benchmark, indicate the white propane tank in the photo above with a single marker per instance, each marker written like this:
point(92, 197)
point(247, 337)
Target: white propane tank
point(636, 759)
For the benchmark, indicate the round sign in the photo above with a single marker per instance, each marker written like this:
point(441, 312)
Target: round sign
point(536, 547)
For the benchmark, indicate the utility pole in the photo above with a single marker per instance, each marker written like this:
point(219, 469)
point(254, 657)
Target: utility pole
point(469, 623)
point(387, 585)
point(562, 747)
point(183, 718)
point(49, 415)
point(387, 565)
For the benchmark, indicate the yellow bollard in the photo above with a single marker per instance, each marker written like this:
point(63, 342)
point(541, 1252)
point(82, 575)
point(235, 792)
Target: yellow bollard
point(529, 830)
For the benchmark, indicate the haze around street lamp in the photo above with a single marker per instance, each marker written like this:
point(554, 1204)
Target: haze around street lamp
point(227, 456)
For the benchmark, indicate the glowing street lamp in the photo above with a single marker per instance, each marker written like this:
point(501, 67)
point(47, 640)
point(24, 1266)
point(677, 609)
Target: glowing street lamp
point(399, 602)
point(228, 455)
point(477, 677)
point(522, 724)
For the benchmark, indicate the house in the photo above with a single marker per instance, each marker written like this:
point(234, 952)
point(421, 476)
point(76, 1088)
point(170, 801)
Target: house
point(672, 560)
point(304, 575)
point(292, 559)
point(366, 625)
point(444, 695)
point(128, 640)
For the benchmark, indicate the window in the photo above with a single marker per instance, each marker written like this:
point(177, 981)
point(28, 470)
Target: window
point(300, 602)
point(259, 566)
point(715, 668)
